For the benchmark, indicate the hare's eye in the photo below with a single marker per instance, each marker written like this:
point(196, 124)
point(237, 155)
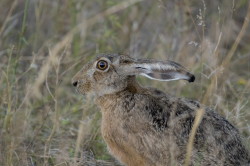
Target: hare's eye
point(102, 65)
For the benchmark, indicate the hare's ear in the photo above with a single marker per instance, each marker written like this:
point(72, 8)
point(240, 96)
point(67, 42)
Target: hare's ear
point(159, 70)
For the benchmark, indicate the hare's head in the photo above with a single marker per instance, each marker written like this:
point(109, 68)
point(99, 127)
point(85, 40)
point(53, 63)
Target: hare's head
point(111, 73)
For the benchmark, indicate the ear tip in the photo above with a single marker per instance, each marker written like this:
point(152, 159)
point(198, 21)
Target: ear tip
point(191, 79)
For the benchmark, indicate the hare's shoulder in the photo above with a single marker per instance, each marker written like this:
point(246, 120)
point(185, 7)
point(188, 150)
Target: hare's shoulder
point(163, 110)
point(174, 105)
point(156, 107)
point(181, 112)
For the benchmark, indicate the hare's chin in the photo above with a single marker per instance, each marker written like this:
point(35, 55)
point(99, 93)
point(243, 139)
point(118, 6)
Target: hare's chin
point(79, 92)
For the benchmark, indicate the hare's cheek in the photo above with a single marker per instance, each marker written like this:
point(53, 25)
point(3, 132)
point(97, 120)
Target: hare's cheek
point(85, 88)
point(98, 76)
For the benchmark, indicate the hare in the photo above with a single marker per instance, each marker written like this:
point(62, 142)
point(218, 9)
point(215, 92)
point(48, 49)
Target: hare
point(146, 127)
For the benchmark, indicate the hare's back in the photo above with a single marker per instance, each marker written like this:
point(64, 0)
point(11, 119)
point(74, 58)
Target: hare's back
point(216, 140)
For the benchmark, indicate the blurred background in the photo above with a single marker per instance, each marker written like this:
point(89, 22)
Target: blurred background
point(43, 43)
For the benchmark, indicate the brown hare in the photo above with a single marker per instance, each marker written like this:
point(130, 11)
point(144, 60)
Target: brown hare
point(146, 127)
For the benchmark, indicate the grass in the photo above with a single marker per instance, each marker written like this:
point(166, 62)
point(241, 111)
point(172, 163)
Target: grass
point(44, 43)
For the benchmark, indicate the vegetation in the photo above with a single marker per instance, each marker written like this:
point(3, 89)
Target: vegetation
point(43, 43)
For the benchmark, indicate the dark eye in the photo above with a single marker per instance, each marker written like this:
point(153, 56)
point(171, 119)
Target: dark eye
point(102, 65)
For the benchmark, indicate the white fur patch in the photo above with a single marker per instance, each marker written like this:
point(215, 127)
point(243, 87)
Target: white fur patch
point(90, 72)
point(156, 66)
point(177, 76)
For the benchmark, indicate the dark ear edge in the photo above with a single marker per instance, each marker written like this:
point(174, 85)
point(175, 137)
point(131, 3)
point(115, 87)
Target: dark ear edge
point(192, 79)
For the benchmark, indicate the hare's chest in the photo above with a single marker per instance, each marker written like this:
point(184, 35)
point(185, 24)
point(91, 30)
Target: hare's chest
point(111, 127)
point(118, 142)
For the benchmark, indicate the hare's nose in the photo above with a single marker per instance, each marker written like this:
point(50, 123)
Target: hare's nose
point(75, 83)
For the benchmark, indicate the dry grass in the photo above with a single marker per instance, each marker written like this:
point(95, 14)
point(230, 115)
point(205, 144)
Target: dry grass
point(44, 43)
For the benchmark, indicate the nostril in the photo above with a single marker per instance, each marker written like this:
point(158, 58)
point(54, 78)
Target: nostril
point(75, 83)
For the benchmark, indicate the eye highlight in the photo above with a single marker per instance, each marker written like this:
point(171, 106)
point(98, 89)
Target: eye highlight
point(102, 65)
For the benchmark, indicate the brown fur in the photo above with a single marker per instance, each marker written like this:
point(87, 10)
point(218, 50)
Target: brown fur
point(146, 127)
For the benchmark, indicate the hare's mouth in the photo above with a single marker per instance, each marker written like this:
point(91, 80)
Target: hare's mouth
point(79, 91)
